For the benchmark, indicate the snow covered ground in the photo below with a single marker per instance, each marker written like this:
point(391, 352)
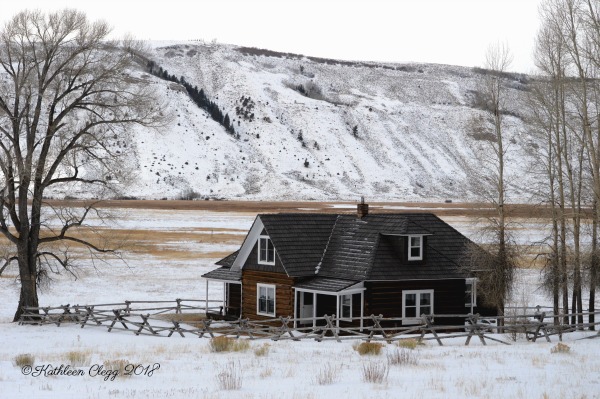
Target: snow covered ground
point(185, 367)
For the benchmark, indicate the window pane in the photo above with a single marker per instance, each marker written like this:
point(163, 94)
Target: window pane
point(425, 299)
point(410, 300)
point(469, 294)
point(308, 298)
point(415, 252)
point(271, 306)
point(410, 312)
point(415, 241)
point(271, 254)
point(425, 309)
point(346, 306)
point(263, 251)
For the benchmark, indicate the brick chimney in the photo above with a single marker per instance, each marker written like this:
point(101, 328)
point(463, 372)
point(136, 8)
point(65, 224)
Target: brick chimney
point(362, 209)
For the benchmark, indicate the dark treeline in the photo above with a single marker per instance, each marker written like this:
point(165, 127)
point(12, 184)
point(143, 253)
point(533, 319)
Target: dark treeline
point(198, 96)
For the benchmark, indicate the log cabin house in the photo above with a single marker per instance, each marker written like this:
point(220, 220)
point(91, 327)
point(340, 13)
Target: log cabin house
point(309, 265)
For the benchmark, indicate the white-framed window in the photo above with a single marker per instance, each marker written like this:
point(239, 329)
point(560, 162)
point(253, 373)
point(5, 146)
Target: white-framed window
point(415, 247)
point(416, 303)
point(470, 292)
point(346, 307)
point(265, 299)
point(266, 251)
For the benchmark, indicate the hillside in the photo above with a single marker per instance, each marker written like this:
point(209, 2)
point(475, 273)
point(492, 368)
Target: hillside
point(318, 129)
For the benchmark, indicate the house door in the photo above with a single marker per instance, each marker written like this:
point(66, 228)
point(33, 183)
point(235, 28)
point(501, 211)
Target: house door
point(306, 306)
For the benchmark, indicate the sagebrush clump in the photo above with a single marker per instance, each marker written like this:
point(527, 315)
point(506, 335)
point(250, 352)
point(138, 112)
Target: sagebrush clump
point(24, 359)
point(561, 348)
point(369, 348)
point(78, 358)
point(409, 343)
point(262, 350)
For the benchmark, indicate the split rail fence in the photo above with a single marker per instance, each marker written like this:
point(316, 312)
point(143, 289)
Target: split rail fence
point(186, 317)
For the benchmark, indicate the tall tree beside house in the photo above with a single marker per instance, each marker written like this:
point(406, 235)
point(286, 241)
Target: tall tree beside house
point(548, 116)
point(567, 108)
point(491, 144)
point(65, 100)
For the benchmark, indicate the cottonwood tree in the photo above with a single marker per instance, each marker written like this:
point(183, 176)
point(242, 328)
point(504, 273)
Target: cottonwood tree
point(66, 98)
point(567, 109)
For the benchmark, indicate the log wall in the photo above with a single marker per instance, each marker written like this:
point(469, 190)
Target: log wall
point(284, 294)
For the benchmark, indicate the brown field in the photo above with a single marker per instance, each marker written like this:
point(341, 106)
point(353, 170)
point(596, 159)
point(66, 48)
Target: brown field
point(190, 243)
point(254, 207)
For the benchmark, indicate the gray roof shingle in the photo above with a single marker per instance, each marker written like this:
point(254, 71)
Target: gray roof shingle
point(224, 273)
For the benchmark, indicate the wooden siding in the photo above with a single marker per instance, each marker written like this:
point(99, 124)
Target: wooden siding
point(284, 294)
point(252, 261)
point(385, 297)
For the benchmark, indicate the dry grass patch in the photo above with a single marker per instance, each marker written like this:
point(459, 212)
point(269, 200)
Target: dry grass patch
point(78, 358)
point(266, 372)
point(409, 343)
point(220, 344)
point(24, 359)
point(117, 365)
point(328, 375)
point(402, 356)
point(560, 348)
point(375, 372)
point(368, 348)
point(227, 344)
point(262, 350)
point(229, 377)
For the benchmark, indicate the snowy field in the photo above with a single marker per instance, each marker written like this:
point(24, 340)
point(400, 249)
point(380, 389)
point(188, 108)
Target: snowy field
point(186, 368)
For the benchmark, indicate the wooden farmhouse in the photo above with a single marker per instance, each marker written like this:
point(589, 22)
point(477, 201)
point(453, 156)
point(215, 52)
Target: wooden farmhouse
point(310, 265)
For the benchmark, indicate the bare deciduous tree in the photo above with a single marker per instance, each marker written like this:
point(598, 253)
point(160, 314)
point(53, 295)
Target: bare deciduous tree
point(490, 182)
point(66, 97)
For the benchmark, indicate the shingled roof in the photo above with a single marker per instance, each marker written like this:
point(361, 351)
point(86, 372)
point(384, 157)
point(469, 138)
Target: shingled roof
point(345, 247)
point(300, 239)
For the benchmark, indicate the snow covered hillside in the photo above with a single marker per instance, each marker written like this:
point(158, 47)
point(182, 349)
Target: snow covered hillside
point(318, 129)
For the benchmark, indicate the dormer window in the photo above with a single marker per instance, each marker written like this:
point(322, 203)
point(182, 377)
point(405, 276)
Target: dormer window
point(415, 247)
point(266, 251)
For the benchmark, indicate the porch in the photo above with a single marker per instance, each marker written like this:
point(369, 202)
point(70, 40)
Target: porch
point(231, 305)
point(321, 296)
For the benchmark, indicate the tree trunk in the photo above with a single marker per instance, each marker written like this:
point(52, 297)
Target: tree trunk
point(593, 268)
point(27, 274)
point(28, 297)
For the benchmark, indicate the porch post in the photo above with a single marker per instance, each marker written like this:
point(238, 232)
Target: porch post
point(337, 307)
point(295, 307)
point(224, 298)
point(362, 308)
point(314, 309)
point(206, 303)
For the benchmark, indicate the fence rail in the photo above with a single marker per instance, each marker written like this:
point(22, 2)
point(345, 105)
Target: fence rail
point(165, 318)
